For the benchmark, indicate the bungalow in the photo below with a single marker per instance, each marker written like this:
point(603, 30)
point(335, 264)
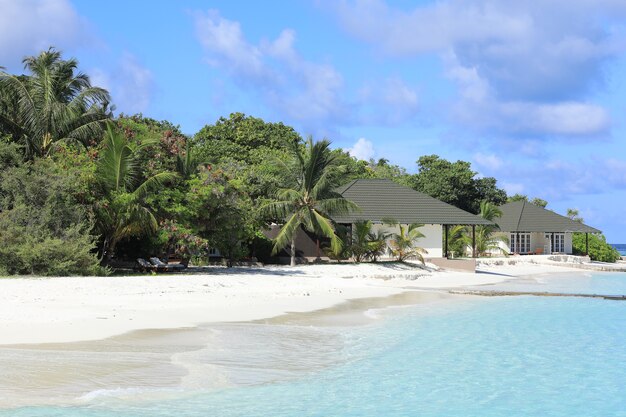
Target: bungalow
point(380, 199)
point(531, 229)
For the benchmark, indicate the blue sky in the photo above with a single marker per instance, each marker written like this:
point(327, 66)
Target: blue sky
point(533, 94)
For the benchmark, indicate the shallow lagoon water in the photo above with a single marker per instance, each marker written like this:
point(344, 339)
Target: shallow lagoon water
point(492, 357)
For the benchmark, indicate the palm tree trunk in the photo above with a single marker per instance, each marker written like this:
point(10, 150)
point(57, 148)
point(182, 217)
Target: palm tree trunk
point(293, 251)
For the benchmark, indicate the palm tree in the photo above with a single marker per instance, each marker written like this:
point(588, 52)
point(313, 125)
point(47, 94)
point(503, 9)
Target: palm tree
point(309, 197)
point(123, 212)
point(365, 244)
point(403, 244)
point(360, 240)
point(187, 162)
point(486, 240)
point(53, 104)
point(457, 240)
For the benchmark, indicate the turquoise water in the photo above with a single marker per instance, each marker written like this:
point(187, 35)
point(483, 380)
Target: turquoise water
point(488, 357)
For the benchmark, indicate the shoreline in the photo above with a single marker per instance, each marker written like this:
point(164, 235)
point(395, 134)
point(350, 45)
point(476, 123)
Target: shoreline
point(64, 310)
point(157, 363)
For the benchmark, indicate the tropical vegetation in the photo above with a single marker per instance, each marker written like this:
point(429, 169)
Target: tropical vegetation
point(83, 190)
point(403, 243)
point(308, 197)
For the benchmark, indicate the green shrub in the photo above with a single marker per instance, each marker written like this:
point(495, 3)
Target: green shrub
point(599, 250)
point(44, 230)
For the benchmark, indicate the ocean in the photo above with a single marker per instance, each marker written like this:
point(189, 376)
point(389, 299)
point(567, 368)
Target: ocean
point(621, 247)
point(469, 356)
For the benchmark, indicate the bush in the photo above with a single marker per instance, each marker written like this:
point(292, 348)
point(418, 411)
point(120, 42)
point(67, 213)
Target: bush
point(599, 250)
point(44, 230)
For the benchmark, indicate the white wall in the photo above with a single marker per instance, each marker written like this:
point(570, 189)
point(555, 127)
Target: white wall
point(432, 240)
point(537, 240)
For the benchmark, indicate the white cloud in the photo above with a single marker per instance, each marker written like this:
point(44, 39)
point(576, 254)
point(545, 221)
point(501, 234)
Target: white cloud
point(362, 149)
point(135, 85)
point(490, 161)
point(523, 68)
point(390, 102)
point(304, 90)
point(30, 26)
point(130, 84)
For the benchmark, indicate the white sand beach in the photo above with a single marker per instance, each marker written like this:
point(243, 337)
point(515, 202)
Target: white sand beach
point(54, 310)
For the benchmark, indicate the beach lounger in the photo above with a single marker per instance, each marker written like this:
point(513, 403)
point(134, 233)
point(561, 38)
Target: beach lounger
point(144, 266)
point(162, 266)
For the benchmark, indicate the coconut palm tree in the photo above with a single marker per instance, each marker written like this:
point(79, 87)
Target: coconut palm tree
point(308, 199)
point(123, 212)
point(486, 240)
point(53, 104)
point(403, 244)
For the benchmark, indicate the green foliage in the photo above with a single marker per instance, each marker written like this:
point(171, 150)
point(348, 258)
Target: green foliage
point(45, 231)
point(242, 138)
point(54, 104)
point(365, 244)
point(574, 215)
point(457, 241)
point(599, 250)
point(539, 202)
point(521, 197)
point(455, 183)
point(403, 244)
point(160, 145)
point(307, 198)
point(486, 241)
point(122, 211)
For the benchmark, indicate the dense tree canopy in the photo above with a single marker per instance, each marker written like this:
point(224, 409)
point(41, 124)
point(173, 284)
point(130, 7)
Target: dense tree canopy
point(455, 183)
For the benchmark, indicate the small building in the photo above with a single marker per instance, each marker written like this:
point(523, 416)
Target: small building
point(531, 229)
point(382, 199)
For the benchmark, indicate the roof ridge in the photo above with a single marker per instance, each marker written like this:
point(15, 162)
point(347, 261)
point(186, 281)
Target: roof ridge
point(521, 213)
point(350, 185)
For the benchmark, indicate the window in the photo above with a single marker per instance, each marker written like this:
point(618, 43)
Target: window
point(520, 242)
point(558, 246)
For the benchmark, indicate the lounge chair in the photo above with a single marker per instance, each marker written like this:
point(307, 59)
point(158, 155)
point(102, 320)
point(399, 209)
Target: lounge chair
point(162, 266)
point(144, 266)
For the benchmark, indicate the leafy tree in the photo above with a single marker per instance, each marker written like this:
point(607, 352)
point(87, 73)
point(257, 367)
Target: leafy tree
point(308, 198)
point(242, 138)
point(455, 183)
point(599, 250)
point(54, 104)
point(161, 144)
point(123, 212)
point(574, 215)
point(403, 244)
point(44, 230)
point(517, 197)
point(522, 197)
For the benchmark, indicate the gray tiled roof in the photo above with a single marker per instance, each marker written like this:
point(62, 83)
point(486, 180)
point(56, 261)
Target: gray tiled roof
point(381, 199)
point(522, 216)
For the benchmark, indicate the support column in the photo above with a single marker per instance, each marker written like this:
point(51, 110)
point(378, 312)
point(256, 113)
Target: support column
point(445, 227)
point(586, 244)
point(473, 241)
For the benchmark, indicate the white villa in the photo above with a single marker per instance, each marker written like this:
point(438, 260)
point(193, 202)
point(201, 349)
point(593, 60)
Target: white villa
point(531, 229)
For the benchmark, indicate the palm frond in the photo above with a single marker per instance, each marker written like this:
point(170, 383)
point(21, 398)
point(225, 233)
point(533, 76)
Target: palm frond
point(286, 233)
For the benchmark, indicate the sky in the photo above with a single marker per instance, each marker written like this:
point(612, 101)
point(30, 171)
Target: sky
point(532, 93)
